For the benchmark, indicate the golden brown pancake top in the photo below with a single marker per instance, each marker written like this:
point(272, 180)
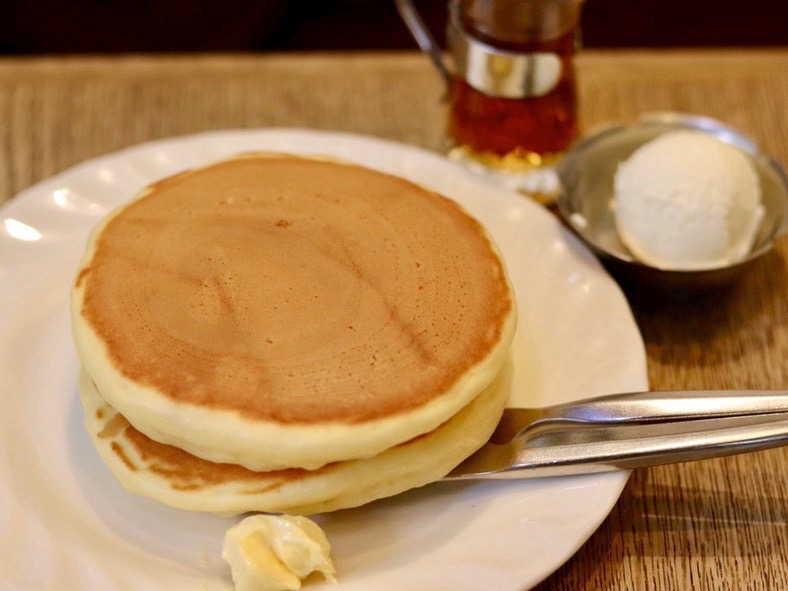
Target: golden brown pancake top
point(295, 290)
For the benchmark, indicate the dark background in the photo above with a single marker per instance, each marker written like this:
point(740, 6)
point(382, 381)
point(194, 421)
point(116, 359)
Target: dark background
point(106, 26)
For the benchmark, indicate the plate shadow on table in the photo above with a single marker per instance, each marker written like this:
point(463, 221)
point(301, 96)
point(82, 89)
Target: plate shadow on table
point(705, 507)
point(710, 522)
point(684, 325)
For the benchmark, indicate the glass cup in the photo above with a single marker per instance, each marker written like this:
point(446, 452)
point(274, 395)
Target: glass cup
point(511, 88)
point(512, 95)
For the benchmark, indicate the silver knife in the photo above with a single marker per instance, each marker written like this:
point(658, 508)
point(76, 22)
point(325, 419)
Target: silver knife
point(624, 431)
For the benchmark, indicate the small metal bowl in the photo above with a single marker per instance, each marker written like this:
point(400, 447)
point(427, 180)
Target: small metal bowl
point(586, 175)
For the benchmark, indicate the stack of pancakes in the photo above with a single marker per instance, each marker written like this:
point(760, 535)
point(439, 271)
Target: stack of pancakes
point(289, 334)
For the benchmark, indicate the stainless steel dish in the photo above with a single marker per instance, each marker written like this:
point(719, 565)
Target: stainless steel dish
point(586, 175)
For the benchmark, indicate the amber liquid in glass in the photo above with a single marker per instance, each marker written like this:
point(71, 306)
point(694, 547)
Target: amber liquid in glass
point(530, 131)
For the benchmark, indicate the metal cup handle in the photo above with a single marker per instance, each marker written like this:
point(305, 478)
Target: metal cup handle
point(423, 37)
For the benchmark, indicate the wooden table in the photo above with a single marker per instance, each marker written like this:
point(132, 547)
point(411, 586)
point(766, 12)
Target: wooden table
point(720, 524)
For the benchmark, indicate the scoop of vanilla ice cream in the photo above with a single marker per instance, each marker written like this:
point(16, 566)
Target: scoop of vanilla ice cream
point(687, 200)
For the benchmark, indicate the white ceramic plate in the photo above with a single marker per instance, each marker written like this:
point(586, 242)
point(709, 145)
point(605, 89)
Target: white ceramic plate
point(67, 524)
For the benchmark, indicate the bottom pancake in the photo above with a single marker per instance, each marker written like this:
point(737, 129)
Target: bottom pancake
point(179, 479)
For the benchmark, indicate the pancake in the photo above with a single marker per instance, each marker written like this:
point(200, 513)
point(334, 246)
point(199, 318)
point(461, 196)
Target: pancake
point(278, 312)
point(174, 477)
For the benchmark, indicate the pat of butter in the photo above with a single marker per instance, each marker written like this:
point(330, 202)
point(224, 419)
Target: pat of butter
point(276, 552)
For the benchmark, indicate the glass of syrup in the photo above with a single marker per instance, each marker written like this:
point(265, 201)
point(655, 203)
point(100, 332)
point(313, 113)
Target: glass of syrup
point(512, 93)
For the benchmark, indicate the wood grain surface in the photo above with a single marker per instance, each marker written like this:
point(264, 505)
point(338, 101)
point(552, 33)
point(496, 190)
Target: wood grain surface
point(711, 525)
